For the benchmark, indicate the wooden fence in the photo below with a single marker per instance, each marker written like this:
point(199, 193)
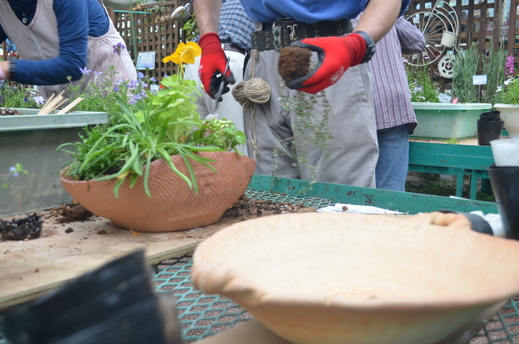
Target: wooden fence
point(482, 22)
point(149, 28)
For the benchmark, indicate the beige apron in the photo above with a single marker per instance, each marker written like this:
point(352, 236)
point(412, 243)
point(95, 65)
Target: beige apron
point(40, 41)
point(348, 158)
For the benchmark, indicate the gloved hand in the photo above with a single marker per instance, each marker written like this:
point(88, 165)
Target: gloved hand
point(336, 55)
point(212, 65)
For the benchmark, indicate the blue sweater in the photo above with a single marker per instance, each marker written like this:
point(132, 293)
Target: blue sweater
point(307, 11)
point(77, 20)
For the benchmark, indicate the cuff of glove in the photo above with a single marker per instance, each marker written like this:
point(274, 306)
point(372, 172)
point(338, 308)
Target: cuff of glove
point(370, 46)
point(208, 38)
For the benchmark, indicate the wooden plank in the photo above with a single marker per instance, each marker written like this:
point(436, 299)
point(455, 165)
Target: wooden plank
point(33, 267)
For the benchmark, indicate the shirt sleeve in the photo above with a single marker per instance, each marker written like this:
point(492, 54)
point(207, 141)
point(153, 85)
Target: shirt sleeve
point(3, 36)
point(411, 38)
point(73, 28)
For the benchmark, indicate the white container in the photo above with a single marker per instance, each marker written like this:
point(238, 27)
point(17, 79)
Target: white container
point(509, 114)
point(449, 39)
point(445, 121)
point(505, 151)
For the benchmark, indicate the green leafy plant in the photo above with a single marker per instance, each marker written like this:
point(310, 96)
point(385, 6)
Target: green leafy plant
point(509, 92)
point(190, 29)
point(102, 96)
point(152, 125)
point(421, 86)
point(465, 66)
point(15, 95)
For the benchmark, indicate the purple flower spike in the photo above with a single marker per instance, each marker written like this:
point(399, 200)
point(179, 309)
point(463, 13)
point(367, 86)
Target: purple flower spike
point(133, 84)
point(118, 48)
point(509, 66)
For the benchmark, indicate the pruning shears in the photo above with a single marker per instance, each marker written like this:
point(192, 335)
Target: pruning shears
point(219, 94)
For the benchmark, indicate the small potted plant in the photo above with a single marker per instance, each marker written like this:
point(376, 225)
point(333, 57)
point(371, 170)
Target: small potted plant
point(157, 166)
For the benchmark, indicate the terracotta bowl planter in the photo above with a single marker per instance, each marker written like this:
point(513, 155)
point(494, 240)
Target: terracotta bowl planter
point(173, 206)
point(359, 279)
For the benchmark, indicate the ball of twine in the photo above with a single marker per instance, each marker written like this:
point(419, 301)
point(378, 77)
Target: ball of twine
point(253, 91)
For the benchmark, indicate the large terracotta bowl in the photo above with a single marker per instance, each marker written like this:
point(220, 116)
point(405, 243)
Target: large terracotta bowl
point(354, 279)
point(172, 205)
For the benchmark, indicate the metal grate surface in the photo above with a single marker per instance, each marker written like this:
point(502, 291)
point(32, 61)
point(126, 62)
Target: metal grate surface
point(203, 315)
point(200, 315)
point(282, 197)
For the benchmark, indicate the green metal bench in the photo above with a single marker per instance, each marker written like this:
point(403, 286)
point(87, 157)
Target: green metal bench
point(452, 159)
point(318, 194)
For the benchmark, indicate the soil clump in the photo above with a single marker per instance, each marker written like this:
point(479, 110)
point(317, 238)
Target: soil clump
point(294, 63)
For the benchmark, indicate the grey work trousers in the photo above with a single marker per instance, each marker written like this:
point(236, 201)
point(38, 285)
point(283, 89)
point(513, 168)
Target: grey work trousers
point(350, 157)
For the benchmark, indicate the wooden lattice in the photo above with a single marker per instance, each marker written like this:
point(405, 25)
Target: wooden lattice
point(150, 28)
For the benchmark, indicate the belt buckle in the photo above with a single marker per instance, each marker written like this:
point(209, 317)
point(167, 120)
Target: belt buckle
point(279, 33)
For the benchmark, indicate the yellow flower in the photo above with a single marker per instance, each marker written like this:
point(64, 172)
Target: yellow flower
point(185, 53)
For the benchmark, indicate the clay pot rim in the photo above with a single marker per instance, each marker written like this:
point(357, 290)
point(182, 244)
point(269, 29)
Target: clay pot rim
point(250, 295)
point(156, 161)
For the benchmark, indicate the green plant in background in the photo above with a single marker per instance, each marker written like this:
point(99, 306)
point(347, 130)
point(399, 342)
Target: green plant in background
point(421, 86)
point(150, 126)
point(452, 141)
point(15, 95)
point(190, 29)
point(509, 93)
point(14, 172)
point(432, 184)
point(465, 66)
point(494, 69)
point(102, 96)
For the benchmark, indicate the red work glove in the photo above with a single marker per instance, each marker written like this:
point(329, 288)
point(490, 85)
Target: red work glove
point(212, 64)
point(336, 55)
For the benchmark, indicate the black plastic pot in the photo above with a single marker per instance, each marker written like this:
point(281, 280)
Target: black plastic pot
point(505, 185)
point(115, 303)
point(489, 130)
point(490, 116)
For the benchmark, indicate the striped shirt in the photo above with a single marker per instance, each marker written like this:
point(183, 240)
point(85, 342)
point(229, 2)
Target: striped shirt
point(391, 95)
point(235, 27)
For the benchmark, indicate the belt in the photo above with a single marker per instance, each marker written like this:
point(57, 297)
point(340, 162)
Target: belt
point(230, 47)
point(282, 32)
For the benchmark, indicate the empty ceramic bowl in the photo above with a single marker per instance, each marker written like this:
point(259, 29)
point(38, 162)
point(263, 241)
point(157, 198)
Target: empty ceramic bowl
point(354, 279)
